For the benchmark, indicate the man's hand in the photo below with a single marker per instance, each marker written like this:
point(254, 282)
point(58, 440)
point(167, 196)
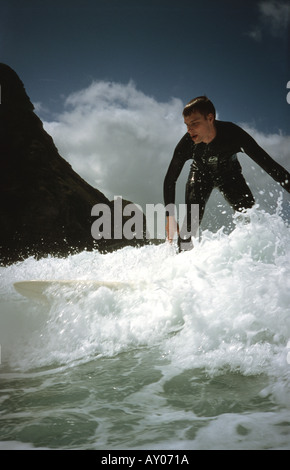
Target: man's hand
point(171, 228)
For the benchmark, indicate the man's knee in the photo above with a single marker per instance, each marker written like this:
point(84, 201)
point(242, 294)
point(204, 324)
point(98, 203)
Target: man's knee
point(246, 202)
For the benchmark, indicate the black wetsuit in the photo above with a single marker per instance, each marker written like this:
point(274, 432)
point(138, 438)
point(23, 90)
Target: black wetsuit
point(215, 165)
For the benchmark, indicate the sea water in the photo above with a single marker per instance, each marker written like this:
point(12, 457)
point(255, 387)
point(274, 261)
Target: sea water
point(195, 356)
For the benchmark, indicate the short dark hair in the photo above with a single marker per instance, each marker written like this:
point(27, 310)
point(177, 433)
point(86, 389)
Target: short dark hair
point(201, 104)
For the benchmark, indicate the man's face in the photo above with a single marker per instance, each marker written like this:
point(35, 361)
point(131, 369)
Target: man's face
point(200, 128)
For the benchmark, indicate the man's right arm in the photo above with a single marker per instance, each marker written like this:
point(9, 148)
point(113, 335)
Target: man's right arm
point(180, 156)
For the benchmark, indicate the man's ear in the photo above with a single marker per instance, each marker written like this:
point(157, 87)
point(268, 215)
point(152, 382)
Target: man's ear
point(210, 117)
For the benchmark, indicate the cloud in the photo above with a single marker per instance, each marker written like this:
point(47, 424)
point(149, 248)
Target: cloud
point(118, 139)
point(274, 17)
point(121, 142)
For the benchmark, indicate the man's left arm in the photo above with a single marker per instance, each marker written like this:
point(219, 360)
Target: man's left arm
point(276, 171)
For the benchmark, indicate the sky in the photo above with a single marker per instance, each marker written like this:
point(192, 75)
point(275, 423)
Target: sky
point(109, 79)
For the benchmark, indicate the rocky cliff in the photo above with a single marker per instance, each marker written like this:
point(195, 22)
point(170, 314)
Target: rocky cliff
point(45, 205)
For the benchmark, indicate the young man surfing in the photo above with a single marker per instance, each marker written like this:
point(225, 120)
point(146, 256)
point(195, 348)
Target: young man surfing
point(212, 145)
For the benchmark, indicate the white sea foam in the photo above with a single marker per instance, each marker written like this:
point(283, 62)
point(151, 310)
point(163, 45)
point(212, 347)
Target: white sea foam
point(223, 308)
point(227, 300)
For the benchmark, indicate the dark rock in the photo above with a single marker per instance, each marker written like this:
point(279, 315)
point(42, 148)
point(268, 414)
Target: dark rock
point(45, 205)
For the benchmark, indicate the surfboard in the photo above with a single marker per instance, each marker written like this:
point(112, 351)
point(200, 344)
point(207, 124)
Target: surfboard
point(40, 289)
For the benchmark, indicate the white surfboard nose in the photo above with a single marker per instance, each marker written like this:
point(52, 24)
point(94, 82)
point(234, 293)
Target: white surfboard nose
point(35, 289)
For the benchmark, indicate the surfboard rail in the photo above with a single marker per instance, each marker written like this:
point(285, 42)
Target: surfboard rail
point(37, 289)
